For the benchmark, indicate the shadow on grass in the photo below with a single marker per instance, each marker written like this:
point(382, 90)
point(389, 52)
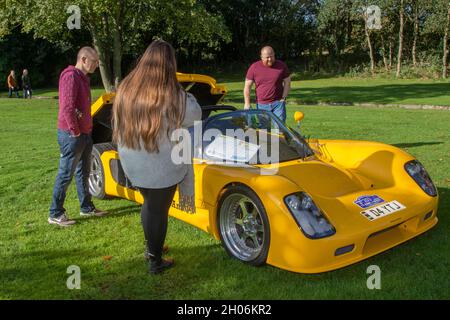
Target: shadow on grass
point(113, 213)
point(383, 94)
point(415, 144)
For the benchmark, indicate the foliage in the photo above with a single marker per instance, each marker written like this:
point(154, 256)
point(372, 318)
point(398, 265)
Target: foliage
point(118, 27)
point(325, 35)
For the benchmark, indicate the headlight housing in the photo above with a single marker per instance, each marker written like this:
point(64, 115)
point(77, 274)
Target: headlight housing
point(421, 177)
point(308, 216)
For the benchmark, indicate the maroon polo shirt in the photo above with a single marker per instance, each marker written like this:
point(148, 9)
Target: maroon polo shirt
point(74, 102)
point(268, 80)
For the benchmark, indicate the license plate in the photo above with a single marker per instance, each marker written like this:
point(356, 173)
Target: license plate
point(382, 210)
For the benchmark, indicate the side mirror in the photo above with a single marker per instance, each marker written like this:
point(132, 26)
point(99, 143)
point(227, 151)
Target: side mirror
point(298, 116)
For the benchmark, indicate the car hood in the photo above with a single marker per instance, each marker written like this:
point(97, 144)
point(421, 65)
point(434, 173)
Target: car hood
point(337, 190)
point(321, 178)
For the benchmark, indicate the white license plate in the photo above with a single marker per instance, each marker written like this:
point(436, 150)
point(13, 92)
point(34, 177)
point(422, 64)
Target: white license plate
point(382, 210)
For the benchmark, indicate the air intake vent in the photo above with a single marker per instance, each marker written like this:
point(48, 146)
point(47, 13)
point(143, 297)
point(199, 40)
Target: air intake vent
point(344, 250)
point(428, 216)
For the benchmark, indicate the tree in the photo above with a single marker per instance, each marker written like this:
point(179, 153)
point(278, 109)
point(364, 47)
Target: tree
point(438, 23)
point(335, 26)
point(116, 27)
point(400, 37)
point(369, 42)
point(417, 13)
point(362, 9)
point(445, 57)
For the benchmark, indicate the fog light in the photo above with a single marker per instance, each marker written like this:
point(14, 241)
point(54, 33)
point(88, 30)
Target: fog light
point(344, 250)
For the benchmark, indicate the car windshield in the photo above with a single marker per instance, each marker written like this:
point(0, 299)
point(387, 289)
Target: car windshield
point(252, 137)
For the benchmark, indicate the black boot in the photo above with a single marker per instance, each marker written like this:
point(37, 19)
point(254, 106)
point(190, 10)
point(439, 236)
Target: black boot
point(147, 255)
point(160, 265)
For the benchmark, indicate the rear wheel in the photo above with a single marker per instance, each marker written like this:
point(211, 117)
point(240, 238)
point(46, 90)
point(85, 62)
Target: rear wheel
point(97, 174)
point(243, 225)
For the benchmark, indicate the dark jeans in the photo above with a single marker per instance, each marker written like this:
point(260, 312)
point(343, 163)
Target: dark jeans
point(75, 159)
point(154, 216)
point(27, 92)
point(10, 91)
point(277, 107)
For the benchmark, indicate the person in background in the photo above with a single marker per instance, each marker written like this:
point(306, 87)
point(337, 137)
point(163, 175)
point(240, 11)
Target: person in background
point(12, 84)
point(26, 84)
point(149, 105)
point(272, 81)
point(74, 138)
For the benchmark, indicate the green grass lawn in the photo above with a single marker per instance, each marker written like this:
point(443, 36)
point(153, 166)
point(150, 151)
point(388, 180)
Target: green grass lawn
point(34, 256)
point(345, 90)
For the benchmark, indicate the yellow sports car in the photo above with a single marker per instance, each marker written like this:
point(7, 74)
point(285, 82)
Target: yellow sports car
point(322, 205)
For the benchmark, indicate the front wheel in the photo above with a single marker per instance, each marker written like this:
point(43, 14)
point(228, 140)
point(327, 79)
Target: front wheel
point(243, 225)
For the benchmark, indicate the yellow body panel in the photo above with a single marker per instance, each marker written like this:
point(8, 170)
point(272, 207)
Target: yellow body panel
point(215, 88)
point(107, 98)
point(334, 192)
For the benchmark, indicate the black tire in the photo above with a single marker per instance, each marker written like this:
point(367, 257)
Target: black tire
point(97, 174)
point(243, 225)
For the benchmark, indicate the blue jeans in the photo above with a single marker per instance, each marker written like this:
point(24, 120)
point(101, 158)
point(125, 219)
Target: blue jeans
point(75, 159)
point(277, 107)
point(11, 90)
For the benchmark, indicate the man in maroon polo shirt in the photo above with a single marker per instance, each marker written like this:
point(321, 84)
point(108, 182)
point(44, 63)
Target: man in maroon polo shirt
point(74, 137)
point(272, 81)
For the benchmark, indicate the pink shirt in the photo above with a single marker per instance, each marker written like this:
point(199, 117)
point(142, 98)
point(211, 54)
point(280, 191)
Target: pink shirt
point(74, 102)
point(268, 80)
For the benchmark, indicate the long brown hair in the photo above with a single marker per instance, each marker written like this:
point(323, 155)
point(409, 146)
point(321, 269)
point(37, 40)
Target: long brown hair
point(145, 97)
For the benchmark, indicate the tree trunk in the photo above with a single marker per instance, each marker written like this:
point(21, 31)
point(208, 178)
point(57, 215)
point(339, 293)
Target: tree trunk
point(104, 65)
point(117, 46)
point(416, 34)
point(369, 43)
point(383, 52)
point(445, 56)
point(391, 53)
point(400, 38)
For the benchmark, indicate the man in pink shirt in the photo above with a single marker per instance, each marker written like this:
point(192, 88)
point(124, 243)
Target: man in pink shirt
point(74, 137)
point(272, 81)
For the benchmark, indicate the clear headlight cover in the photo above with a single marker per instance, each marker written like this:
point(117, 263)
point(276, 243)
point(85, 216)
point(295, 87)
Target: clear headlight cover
point(421, 177)
point(311, 220)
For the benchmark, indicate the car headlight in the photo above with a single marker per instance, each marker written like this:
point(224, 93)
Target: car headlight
point(310, 219)
point(420, 175)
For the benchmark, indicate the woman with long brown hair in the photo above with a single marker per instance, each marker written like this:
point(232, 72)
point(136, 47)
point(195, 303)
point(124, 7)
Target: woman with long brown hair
point(149, 105)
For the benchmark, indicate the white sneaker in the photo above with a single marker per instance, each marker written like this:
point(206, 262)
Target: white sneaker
point(94, 213)
point(62, 221)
